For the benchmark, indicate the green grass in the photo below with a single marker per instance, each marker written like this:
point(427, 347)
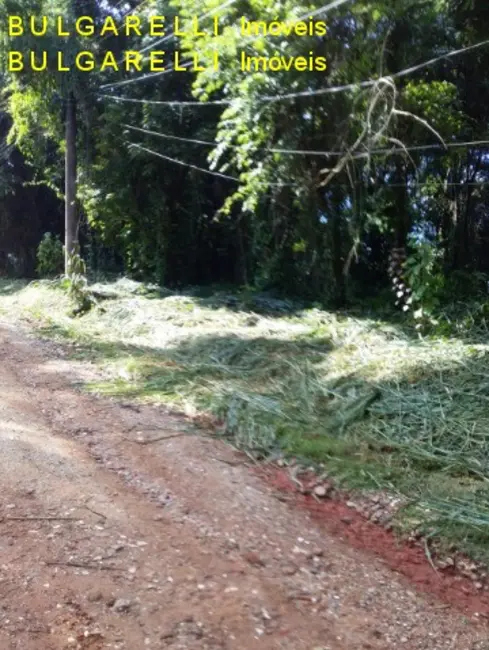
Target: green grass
point(366, 398)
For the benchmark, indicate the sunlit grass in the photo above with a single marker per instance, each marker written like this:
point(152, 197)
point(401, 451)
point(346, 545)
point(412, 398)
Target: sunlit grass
point(370, 400)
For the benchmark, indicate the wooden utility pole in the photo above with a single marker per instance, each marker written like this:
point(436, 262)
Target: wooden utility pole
point(70, 179)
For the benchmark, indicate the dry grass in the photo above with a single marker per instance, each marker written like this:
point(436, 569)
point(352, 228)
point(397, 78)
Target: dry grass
point(370, 400)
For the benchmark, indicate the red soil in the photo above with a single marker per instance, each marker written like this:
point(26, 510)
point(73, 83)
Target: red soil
point(408, 559)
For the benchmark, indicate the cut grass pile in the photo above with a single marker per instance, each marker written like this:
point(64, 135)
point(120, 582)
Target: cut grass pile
point(378, 406)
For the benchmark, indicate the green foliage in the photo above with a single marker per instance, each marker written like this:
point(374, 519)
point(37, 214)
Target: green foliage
point(77, 284)
point(438, 102)
point(50, 256)
point(266, 228)
point(425, 278)
point(466, 285)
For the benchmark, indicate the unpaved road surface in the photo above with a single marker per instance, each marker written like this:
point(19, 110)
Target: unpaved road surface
point(111, 541)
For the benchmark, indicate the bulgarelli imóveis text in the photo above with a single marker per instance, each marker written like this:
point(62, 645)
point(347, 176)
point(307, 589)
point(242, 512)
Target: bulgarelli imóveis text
point(38, 60)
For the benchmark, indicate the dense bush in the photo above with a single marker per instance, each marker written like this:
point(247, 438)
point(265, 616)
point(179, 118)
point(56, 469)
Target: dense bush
point(50, 256)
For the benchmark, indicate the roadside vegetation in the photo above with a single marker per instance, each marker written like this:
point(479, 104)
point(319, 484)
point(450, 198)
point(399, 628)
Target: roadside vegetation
point(365, 398)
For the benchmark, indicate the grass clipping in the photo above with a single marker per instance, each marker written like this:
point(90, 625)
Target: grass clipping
point(369, 399)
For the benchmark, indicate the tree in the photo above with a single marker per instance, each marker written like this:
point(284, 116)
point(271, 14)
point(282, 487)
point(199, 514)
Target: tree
point(286, 184)
point(40, 102)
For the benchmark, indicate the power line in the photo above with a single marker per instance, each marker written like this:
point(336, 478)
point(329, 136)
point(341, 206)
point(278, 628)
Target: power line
point(164, 102)
point(308, 93)
point(372, 82)
point(461, 184)
point(449, 145)
point(317, 12)
point(310, 152)
point(413, 185)
point(159, 42)
point(322, 153)
point(170, 137)
point(200, 169)
point(154, 75)
point(165, 38)
point(233, 178)
point(180, 162)
point(208, 143)
point(390, 150)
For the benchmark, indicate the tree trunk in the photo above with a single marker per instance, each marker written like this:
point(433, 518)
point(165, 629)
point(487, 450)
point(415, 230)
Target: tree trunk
point(71, 238)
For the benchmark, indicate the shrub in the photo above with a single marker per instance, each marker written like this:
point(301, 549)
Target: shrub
point(50, 256)
point(78, 290)
point(425, 279)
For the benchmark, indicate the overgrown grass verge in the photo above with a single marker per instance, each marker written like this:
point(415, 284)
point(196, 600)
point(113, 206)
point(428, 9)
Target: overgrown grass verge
point(371, 401)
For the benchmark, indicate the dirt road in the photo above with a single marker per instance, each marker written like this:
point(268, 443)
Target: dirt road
point(109, 540)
